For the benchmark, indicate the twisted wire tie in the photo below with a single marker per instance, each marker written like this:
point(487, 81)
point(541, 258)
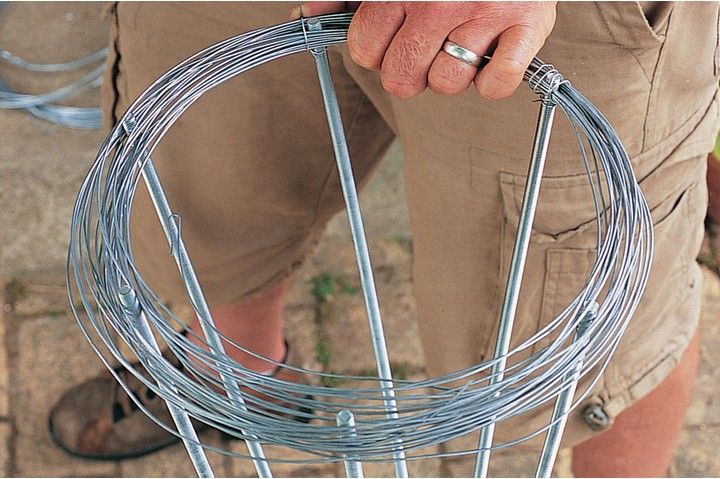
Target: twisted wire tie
point(546, 80)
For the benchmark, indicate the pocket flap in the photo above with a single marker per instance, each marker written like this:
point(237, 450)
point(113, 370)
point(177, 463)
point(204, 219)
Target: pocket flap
point(565, 205)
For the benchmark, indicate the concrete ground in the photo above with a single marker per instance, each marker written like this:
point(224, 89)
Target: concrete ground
point(42, 351)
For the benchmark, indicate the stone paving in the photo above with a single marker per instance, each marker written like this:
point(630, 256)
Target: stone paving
point(42, 351)
point(47, 353)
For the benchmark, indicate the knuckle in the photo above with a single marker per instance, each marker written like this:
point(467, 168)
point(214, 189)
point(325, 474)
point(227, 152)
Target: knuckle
point(508, 68)
point(446, 81)
point(403, 74)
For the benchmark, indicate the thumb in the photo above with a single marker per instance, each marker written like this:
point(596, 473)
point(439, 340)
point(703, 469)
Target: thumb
point(311, 9)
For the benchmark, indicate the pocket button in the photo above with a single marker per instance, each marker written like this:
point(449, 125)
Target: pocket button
point(596, 417)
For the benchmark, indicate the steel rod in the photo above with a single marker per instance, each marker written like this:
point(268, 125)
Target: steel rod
point(517, 266)
point(134, 314)
point(367, 282)
point(192, 285)
point(353, 468)
point(564, 401)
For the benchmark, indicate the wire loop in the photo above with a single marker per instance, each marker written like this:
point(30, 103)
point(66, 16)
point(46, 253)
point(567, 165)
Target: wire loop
point(431, 411)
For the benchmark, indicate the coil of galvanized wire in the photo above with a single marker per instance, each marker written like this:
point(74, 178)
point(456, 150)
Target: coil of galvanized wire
point(427, 412)
point(44, 105)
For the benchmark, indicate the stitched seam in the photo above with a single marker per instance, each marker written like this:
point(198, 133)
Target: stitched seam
point(716, 60)
point(620, 44)
point(653, 87)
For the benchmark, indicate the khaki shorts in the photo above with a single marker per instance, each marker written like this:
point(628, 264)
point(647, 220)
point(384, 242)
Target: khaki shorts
point(250, 168)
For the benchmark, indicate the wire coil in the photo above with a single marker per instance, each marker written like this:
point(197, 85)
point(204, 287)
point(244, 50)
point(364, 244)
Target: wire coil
point(44, 105)
point(431, 411)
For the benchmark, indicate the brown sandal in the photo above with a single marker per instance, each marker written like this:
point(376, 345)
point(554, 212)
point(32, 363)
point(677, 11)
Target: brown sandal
point(97, 419)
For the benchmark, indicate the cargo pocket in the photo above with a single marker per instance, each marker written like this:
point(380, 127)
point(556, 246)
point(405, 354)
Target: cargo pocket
point(661, 327)
point(563, 249)
point(677, 225)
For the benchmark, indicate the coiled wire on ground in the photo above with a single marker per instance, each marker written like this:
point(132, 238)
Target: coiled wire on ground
point(430, 411)
point(44, 105)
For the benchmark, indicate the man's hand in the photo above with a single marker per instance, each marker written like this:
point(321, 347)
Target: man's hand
point(404, 40)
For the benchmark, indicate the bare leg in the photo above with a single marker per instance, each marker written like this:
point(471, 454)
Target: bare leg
point(643, 439)
point(255, 323)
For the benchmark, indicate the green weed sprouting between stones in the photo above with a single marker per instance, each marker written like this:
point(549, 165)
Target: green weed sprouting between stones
point(326, 284)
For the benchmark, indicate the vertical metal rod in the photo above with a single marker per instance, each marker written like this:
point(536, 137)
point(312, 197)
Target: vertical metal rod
point(134, 314)
point(192, 285)
point(337, 133)
point(517, 266)
point(346, 419)
point(563, 403)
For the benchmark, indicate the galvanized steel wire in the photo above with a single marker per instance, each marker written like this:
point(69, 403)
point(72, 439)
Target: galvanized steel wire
point(44, 105)
point(431, 411)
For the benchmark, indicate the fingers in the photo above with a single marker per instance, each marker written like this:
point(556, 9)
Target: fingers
point(503, 74)
point(371, 31)
point(404, 41)
point(409, 57)
point(448, 75)
point(311, 9)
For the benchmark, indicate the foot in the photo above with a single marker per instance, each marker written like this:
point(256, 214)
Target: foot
point(98, 420)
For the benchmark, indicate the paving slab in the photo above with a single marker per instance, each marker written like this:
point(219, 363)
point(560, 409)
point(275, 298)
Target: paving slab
point(698, 453)
point(42, 168)
point(509, 463)
point(416, 467)
point(5, 431)
point(175, 462)
point(52, 354)
point(382, 202)
point(301, 334)
point(563, 464)
point(243, 467)
point(43, 295)
point(502, 464)
point(4, 363)
point(705, 405)
point(344, 319)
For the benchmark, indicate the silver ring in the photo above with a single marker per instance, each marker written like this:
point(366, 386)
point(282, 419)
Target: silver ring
point(461, 53)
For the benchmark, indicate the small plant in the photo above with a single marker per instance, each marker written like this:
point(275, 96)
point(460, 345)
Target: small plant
point(323, 285)
point(56, 313)
point(404, 241)
point(331, 381)
point(400, 371)
point(323, 353)
point(347, 289)
point(326, 284)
